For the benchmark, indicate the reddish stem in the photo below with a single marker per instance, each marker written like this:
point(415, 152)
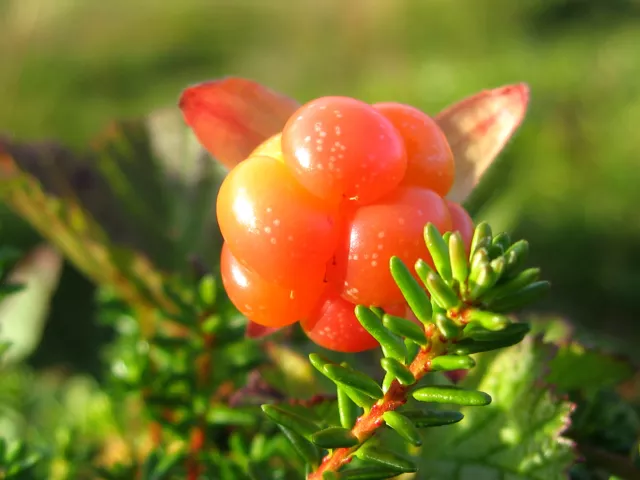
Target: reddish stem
point(198, 439)
point(395, 397)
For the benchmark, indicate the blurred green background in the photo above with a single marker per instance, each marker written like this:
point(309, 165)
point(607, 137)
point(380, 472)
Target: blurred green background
point(569, 182)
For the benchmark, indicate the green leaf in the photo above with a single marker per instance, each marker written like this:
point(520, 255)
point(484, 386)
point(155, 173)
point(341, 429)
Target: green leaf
point(433, 418)
point(451, 394)
point(447, 327)
point(392, 346)
point(369, 473)
point(414, 294)
point(488, 320)
point(308, 452)
point(354, 379)
point(518, 436)
point(291, 420)
point(398, 370)
point(576, 367)
point(514, 284)
point(335, 437)
point(405, 328)
point(386, 458)
point(452, 362)
point(477, 332)
point(482, 237)
point(347, 409)
point(516, 256)
point(459, 261)
point(439, 251)
point(440, 292)
point(403, 426)
point(521, 298)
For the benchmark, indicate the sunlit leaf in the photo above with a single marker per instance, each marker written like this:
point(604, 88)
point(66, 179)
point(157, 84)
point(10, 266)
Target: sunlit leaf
point(478, 128)
point(232, 116)
point(23, 314)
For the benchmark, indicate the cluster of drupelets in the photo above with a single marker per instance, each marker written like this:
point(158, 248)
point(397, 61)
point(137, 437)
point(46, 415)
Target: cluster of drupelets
point(312, 218)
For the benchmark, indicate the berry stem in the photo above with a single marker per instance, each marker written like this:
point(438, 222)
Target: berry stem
point(367, 424)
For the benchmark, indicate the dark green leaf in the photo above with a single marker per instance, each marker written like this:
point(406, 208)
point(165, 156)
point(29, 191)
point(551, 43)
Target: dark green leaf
point(433, 418)
point(403, 426)
point(521, 298)
point(446, 326)
point(335, 437)
point(308, 452)
point(291, 420)
point(386, 458)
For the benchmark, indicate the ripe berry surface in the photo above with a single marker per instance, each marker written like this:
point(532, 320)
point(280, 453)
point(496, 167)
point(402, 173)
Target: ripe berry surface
point(342, 149)
point(333, 325)
point(429, 159)
point(267, 303)
point(461, 222)
point(273, 225)
point(393, 225)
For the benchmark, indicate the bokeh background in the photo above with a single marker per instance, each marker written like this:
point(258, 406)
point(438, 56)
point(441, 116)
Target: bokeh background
point(569, 181)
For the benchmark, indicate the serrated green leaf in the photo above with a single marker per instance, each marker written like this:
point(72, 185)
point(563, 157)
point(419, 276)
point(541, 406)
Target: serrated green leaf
point(576, 367)
point(517, 436)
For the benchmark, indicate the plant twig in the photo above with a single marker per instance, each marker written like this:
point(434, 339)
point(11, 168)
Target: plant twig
point(367, 424)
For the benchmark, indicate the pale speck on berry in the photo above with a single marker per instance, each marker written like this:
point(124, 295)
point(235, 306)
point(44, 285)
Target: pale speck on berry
point(381, 234)
point(267, 229)
point(338, 130)
point(273, 240)
point(323, 134)
point(307, 139)
point(319, 149)
point(374, 263)
point(337, 113)
point(269, 209)
point(290, 238)
point(401, 221)
point(300, 117)
point(355, 257)
point(276, 222)
point(374, 255)
point(366, 256)
point(380, 247)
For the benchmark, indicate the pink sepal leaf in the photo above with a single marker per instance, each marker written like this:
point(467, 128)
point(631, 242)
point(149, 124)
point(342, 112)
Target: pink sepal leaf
point(232, 116)
point(478, 128)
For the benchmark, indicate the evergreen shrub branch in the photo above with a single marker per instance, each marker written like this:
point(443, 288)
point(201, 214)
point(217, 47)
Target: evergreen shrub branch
point(466, 311)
